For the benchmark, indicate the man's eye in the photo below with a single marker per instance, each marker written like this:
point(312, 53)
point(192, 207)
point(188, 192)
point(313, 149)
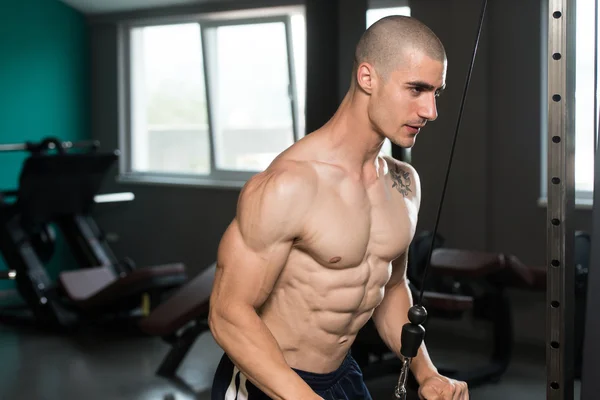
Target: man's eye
point(417, 90)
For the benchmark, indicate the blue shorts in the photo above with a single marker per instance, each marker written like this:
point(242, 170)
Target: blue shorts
point(345, 383)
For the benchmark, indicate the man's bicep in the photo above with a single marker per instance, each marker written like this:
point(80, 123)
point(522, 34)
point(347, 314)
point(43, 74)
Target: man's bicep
point(247, 274)
point(399, 269)
point(256, 246)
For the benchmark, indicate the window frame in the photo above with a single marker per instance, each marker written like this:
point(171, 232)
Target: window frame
point(209, 67)
point(376, 4)
point(217, 177)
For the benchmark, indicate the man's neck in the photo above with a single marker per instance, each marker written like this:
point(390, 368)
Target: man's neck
point(351, 139)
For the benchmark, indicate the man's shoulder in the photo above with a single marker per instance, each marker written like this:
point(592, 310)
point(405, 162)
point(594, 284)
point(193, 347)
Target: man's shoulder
point(400, 167)
point(276, 201)
point(404, 177)
point(282, 180)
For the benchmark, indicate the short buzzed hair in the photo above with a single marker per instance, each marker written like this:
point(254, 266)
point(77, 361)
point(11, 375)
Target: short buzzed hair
point(386, 41)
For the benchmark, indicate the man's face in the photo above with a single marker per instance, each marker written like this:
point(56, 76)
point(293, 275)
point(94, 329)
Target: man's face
point(403, 103)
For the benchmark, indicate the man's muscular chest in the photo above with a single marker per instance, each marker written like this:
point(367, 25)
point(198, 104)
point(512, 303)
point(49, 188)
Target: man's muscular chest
point(352, 223)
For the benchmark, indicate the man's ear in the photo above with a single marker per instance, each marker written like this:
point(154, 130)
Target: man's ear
point(366, 77)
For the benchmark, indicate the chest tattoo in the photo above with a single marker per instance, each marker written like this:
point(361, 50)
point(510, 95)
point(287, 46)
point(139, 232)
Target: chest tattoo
point(401, 180)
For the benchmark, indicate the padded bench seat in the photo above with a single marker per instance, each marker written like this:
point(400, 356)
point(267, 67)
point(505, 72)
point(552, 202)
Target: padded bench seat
point(189, 303)
point(181, 319)
point(473, 264)
point(100, 286)
point(447, 302)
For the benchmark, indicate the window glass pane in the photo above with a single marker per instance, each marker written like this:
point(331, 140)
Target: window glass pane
point(584, 97)
point(374, 15)
point(250, 99)
point(169, 114)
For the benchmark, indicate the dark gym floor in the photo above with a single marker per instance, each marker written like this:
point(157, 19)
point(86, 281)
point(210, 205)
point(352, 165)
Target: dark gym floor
point(42, 366)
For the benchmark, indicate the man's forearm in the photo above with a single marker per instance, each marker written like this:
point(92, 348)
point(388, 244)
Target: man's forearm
point(253, 349)
point(389, 318)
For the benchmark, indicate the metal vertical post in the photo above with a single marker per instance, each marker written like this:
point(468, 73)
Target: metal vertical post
point(560, 291)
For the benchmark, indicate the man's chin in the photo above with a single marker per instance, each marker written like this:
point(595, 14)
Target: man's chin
point(406, 142)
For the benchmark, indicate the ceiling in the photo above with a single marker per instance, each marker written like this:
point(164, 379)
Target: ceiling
point(107, 6)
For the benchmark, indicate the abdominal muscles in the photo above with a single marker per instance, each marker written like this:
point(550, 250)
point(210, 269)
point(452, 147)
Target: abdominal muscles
point(315, 311)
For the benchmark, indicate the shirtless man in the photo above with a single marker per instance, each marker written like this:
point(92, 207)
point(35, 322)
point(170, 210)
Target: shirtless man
point(319, 243)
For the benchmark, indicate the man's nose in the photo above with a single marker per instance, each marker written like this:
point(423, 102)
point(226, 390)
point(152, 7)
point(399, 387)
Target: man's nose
point(428, 108)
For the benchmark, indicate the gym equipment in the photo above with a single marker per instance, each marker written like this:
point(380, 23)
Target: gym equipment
point(413, 332)
point(468, 281)
point(560, 293)
point(57, 186)
point(583, 249)
point(561, 195)
point(180, 319)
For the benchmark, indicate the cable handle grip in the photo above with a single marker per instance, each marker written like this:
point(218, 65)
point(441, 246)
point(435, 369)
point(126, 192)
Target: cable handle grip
point(413, 334)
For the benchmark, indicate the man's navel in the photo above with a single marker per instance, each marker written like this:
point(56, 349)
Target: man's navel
point(335, 260)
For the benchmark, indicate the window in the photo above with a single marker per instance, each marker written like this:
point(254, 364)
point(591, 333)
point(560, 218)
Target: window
point(584, 100)
point(169, 118)
point(213, 98)
point(252, 118)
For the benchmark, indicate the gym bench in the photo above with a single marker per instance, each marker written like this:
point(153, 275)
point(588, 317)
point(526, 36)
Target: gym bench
point(180, 319)
point(494, 272)
point(62, 188)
